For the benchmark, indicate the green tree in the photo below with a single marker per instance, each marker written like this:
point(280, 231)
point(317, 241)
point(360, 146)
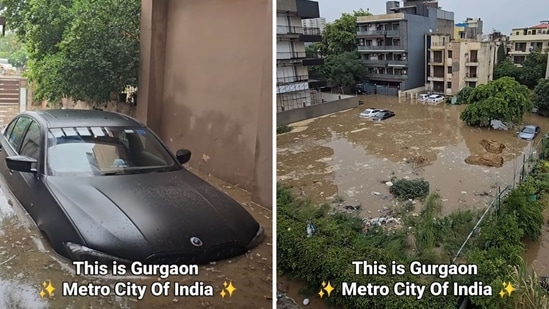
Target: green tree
point(502, 99)
point(541, 97)
point(340, 36)
point(533, 68)
point(506, 68)
point(501, 54)
point(87, 50)
point(343, 69)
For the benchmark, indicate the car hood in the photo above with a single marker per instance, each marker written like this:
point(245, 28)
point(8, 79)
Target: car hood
point(133, 216)
point(526, 135)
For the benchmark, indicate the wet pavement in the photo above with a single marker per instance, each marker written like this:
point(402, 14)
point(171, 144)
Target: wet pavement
point(26, 261)
point(341, 156)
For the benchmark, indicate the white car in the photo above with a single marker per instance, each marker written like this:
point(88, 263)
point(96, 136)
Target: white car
point(435, 98)
point(369, 112)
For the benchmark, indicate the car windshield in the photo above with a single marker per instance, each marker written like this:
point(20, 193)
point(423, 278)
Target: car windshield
point(105, 151)
point(528, 130)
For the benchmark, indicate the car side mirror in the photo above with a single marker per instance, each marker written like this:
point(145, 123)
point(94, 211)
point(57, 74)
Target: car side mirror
point(183, 155)
point(21, 164)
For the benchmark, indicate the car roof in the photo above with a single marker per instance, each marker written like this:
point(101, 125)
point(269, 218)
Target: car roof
point(82, 117)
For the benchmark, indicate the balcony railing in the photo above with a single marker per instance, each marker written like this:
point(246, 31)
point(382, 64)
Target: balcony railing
point(379, 62)
point(296, 55)
point(393, 32)
point(371, 32)
point(383, 47)
point(387, 76)
point(291, 79)
point(297, 30)
point(397, 62)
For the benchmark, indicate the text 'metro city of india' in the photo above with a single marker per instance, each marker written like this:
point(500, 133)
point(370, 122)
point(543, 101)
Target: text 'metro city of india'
point(405, 288)
point(132, 289)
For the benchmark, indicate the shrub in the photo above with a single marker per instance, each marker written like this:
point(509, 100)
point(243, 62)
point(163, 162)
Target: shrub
point(283, 129)
point(405, 189)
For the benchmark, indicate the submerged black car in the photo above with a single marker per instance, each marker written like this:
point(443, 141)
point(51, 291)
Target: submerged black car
point(102, 186)
point(383, 115)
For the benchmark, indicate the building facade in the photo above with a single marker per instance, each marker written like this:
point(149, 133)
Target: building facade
point(470, 29)
point(455, 64)
point(205, 84)
point(294, 88)
point(525, 40)
point(393, 45)
point(319, 23)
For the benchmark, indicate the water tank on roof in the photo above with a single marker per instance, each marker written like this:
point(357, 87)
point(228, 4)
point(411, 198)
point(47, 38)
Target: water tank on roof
point(392, 5)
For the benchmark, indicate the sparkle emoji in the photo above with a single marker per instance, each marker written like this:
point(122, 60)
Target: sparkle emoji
point(326, 289)
point(47, 289)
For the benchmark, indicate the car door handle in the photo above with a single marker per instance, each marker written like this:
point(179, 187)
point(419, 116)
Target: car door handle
point(11, 172)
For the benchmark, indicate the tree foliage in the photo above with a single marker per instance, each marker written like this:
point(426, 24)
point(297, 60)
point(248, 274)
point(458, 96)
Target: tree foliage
point(541, 97)
point(501, 54)
point(342, 65)
point(532, 70)
point(503, 99)
point(464, 95)
point(87, 50)
point(506, 68)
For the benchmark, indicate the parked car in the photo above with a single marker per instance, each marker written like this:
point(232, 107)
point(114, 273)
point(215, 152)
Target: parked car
point(369, 112)
point(435, 98)
point(103, 187)
point(423, 97)
point(383, 115)
point(529, 132)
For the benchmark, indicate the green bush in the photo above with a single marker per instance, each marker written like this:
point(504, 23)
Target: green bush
point(405, 189)
point(463, 96)
point(283, 129)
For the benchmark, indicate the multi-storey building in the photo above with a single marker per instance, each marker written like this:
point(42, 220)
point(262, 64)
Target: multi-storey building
point(393, 45)
point(470, 29)
point(294, 89)
point(525, 40)
point(455, 64)
point(319, 23)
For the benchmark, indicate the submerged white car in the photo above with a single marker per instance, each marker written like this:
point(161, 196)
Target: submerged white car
point(369, 112)
point(435, 98)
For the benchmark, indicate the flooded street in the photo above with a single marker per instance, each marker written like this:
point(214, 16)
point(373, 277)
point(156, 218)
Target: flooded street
point(342, 156)
point(344, 160)
point(26, 261)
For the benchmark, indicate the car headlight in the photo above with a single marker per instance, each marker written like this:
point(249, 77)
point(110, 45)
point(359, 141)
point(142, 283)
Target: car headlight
point(82, 253)
point(258, 238)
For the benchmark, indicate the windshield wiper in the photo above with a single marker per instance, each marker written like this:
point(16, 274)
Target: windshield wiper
point(113, 173)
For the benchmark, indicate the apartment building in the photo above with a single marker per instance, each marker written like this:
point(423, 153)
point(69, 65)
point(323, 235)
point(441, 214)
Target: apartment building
point(319, 23)
point(392, 45)
point(294, 89)
point(525, 40)
point(455, 64)
point(470, 29)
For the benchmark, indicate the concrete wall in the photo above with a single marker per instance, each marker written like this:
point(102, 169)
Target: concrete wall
point(7, 113)
point(329, 97)
point(206, 84)
point(299, 114)
point(417, 27)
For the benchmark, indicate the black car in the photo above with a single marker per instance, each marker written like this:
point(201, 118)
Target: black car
point(383, 115)
point(102, 187)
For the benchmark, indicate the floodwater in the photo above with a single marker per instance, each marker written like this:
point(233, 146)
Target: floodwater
point(351, 158)
point(26, 261)
point(344, 160)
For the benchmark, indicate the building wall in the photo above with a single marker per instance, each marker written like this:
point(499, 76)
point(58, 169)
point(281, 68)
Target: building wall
point(417, 27)
point(206, 84)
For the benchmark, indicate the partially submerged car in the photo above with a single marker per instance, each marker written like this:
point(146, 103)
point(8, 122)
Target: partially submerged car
point(529, 132)
point(103, 187)
point(383, 115)
point(435, 98)
point(369, 112)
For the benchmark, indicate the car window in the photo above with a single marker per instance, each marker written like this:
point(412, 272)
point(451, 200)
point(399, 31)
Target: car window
point(31, 143)
point(9, 128)
point(18, 132)
point(105, 151)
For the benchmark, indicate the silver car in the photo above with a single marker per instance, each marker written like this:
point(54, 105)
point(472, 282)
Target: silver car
point(529, 132)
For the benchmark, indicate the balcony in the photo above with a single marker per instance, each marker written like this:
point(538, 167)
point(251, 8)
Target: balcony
point(387, 77)
point(436, 61)
point(471, 62)
point(291, 79)
point(393, 33)
point(397, 63)
point(291, 55)
point(305, 34)
point(311, 35)
point(436, 78)
point(389, 48)
point(471, 77)
point(372, 33)
point(374, 62)
point(438, 45)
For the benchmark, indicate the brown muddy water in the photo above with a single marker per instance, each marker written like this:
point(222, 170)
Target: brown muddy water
point(343, 157)
point(26, 260)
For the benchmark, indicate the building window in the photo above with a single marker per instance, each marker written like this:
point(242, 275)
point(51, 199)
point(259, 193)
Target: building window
point(449, 85)
point(450, 70)
point(450, 54)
